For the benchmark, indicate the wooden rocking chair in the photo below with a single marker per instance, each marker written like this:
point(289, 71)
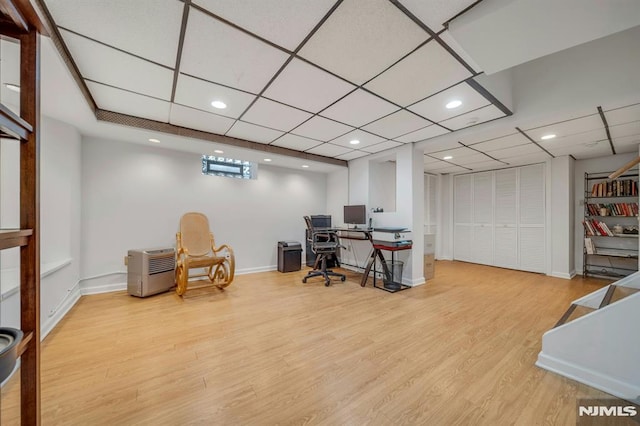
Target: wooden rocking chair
point(196, 249)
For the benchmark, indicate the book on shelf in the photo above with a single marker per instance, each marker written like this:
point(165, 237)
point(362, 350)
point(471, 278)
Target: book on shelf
point(595, 227)
point(616, 188)
point(588, 244)
point(613, 209)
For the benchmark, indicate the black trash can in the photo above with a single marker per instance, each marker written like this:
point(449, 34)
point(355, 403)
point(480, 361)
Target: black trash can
point(289, 256)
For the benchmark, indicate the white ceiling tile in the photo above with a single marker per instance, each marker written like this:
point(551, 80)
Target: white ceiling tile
point(352, 155)
point(423, 134)
point(485, 165)
point(321, 128)
point(566, 127)
point(472, 118)
point(430, 160)
point(359, 108)
point(293, 86)
point(366, 139)
point(434, 13)
point(199, 94)
point(440, 165)
point(295, 142)
point(110, 66)
point(113, 22)
point(440, 145)
point(329, 150)
point(627, 129)
point(576, 138)
point(453, 44)
point(528, 159)
point(452, 169)
point(516, 151)
point(381, 146)
point(362, 38)
point(272, 114)
point(397, 124)
point(468, 160)
point(459, 155)
point(241, 61)
point(583, 151)
point(117, 100)
point(623, 115)
point(501, 143)
point(434, 107)
point(487, 135)
point(626, 140)
point(283, 22)
point(423, 73)
point(254, 133)
point(199, 120)
point(625, 149)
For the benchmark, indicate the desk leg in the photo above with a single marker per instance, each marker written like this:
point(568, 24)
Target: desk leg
point(370, 262)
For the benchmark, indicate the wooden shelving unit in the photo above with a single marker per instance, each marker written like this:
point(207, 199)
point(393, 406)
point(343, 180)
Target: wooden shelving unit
point(20, 22)
point(615, 253)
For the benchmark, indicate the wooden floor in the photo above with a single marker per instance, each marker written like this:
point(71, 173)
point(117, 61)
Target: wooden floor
point(271, 350)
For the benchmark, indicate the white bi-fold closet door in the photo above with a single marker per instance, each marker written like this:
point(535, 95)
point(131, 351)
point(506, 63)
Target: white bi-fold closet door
point(499, 218)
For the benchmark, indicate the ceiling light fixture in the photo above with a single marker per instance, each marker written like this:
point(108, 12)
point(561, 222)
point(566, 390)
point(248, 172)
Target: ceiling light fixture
point(218, 104)
point(154, 140)
point(218, 151)
point(453, 104)
point(448, 157)
point(305, 166)
point(12, 87)
point(547, 137)
point(354, 142)
point(268, 160)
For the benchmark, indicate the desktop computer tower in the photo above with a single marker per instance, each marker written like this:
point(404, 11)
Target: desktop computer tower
point(318, 221)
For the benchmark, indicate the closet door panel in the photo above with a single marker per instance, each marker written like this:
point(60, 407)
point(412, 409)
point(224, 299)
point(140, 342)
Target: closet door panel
point(482, 248)
point(506, 246)
point(483, 198)
point(532, 251)
point(531, 193)
point(462, 243)
point(463, 212)
point(506, 184)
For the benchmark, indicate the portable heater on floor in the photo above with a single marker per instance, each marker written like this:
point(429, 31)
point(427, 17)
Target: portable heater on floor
point(150, 271)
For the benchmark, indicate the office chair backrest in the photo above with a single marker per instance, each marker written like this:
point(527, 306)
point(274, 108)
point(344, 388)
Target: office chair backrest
point(307, 219)
point(195, 233)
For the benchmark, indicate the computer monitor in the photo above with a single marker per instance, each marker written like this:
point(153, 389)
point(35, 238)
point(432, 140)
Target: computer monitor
point(355, 215)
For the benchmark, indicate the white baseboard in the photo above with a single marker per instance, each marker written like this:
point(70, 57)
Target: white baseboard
point(414, 282)
point(595, 379)
point(61, 310)
point(564, 275)
point(103, 288)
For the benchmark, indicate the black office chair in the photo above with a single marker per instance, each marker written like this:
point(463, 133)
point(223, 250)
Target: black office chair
point(324, 244)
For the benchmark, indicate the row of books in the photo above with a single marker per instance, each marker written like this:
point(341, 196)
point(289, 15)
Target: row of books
point(613, 209)
point(615, 188)
point(595, 227)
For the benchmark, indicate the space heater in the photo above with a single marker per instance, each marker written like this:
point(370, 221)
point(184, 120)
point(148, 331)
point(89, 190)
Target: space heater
point(150, 271)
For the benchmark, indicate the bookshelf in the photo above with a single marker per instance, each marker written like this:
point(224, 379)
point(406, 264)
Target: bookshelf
point(610, 246)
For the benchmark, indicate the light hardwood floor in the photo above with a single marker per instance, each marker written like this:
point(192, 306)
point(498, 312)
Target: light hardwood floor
point(271, 350)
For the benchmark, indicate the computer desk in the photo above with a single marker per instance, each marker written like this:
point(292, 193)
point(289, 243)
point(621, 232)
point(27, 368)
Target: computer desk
point(366, 234)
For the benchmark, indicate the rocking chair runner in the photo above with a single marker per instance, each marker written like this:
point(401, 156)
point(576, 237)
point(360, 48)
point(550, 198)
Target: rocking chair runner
point(196, 249)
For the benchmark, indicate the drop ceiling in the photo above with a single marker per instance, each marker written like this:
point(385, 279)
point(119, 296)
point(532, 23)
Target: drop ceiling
point(310, 77)
point(303, 76)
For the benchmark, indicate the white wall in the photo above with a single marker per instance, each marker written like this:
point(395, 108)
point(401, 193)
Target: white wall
point(134, 195)
point(593, 165)
point(60, 207)
point(337, 195)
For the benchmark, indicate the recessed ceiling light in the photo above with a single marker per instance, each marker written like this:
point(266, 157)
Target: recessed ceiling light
point(547, 137)
point(453, 104)
point(12, 87)
point(218, 151)
point(268, 160)
point(218, 104)
point(448, 157)
point(354, 142)
point(305, 166)
point(154, 140)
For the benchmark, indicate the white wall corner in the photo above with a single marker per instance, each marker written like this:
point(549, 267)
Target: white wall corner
point(56, 314)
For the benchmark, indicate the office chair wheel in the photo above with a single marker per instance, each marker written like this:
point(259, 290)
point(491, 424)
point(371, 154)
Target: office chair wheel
point(327, 283)
point(304, 280)
point(343, 278)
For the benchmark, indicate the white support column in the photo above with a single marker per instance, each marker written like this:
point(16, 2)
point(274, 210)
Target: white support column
point(561, 221)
